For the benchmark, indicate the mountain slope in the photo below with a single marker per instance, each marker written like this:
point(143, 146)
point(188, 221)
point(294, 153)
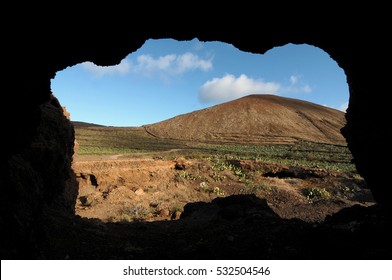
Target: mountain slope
point(256, 119)
point(85, 124)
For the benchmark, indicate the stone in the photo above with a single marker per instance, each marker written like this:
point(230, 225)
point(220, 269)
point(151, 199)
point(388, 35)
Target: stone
point(36, 177)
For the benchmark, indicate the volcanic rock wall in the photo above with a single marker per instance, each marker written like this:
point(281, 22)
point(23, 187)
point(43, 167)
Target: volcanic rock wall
point(38, 140)
point(36, 178)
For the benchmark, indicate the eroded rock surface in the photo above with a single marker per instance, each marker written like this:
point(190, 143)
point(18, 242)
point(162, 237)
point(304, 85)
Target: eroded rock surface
point(36, 213)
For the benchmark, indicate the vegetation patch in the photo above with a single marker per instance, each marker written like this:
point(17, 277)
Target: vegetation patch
point(173, 173)
point(314, 194)
point(115, 140)
point(135, 213)
point(130, 140)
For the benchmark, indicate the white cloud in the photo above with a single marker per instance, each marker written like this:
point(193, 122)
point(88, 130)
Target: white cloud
point(293, 79)
point(172, 63)
point(198, 46)
point(146, 64)
point(122, 68)
point(343, 107)
point(230, 87)
point(305, 88)
point(295, 86)
point(189, 61)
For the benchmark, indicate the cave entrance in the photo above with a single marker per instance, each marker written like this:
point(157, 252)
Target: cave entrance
point(180, 122)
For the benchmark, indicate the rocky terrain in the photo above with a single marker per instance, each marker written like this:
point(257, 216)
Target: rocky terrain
point(151, 207)
point(149, 187)
point(234, 227)
point(38, 202)
point(127, 190)
point(175, 204)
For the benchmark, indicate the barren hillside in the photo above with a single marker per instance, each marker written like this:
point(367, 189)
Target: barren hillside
point(254, 119)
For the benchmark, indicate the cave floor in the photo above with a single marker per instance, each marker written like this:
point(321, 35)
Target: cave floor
point(235, 227)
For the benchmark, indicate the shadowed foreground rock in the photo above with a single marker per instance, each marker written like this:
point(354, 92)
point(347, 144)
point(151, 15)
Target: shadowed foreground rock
point(235, 227)
point(36, 197)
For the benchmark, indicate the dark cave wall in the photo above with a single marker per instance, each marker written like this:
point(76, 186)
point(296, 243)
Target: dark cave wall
point(36, 178)
point(36, 164)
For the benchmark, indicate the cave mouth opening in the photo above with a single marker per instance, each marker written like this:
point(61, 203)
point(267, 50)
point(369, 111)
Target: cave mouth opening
point(131, 173)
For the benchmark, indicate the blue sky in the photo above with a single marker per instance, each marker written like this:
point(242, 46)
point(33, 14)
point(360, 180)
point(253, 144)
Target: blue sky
point(165, 78)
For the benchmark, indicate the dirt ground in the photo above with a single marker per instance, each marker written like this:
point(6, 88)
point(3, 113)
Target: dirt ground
point(117, 189)
point(155, 206)
point(201, 209)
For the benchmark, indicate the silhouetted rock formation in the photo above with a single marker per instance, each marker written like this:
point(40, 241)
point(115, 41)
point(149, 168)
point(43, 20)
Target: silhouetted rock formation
point(35, 179)
point(38, 139)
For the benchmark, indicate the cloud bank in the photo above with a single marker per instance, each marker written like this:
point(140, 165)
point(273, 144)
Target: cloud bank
point(230, 87)
point(122, 68)
point(173, 64)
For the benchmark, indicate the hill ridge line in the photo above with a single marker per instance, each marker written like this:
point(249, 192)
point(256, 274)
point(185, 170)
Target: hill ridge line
point(255, 115)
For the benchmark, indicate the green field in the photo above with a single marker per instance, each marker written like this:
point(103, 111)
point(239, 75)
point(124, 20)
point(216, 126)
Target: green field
point(96, 140)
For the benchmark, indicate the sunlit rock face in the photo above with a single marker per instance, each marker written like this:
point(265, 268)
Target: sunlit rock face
point(39, 140)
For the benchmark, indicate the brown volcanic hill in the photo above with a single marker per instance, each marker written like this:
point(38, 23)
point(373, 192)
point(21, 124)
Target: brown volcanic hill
point(256, 119)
